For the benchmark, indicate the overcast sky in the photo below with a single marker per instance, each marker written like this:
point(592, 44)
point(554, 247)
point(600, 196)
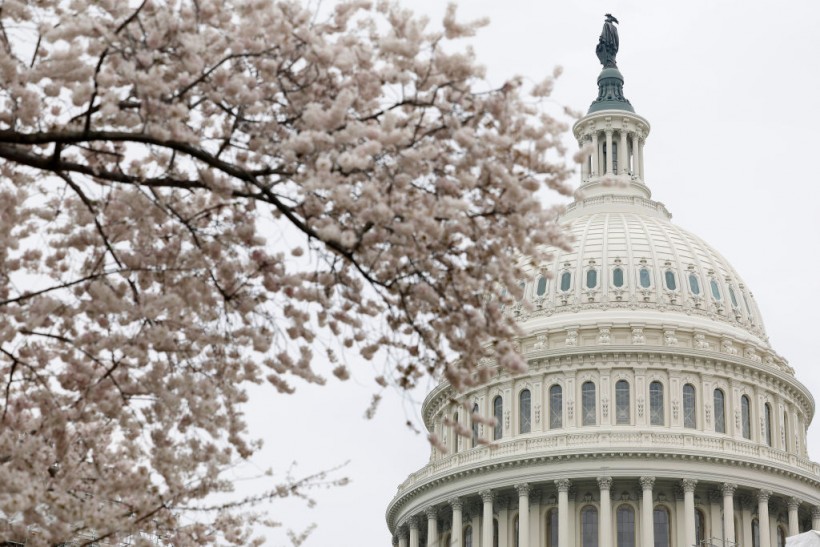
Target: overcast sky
point(731, 90)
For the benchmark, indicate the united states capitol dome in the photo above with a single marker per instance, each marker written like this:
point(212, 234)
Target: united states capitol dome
point(653, 412)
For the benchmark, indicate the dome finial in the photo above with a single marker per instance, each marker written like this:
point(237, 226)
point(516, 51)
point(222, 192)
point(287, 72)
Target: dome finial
point(610, 81)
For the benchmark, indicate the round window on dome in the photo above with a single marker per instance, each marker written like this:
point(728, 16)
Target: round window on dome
point(644, 279)
point(566, 279)
point(715, 289)
point(694, 284)
point(541, 286)
point(592, 278)
point(669, 278)
point(618, 277)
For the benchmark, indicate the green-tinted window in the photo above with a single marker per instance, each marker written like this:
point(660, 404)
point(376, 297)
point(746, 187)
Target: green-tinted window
point(715, 289)
point(566, 277)
point(541, 287)
point(644, 278)
point(592, 279)
point(694, 284)
point(618, 277)
point(732, 296)
point(670, 280)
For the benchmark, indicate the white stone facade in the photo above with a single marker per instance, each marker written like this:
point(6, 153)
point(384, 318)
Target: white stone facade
point(654, 412)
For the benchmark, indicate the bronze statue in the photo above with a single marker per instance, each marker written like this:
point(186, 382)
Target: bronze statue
point(607, 47)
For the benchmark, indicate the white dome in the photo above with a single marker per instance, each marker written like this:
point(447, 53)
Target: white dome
point(629, 263)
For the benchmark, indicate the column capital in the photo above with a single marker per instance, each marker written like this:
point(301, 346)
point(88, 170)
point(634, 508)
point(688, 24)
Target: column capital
point(563, 485)
point(728, 489)
point(815, 512)
point(605, 483)
point(487, 495)
point(413, 523)
point(609, 131)
point(523, 489)
point(431, 512)
point(763, 496)
point(688, 485)
point(647, 482)
point(456, 503)
point(793, 503)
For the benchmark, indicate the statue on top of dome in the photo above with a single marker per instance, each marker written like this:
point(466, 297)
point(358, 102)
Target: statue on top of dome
point(607, 47)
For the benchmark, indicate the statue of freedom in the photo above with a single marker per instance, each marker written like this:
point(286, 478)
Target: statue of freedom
point(607, 47)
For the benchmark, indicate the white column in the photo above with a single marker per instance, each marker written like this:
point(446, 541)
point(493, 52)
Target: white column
point(640, 159)
point(635, 156)
point(487, 517)
point(689, 510)
point(763, 517)
point(413, 524)
point(523, 514)
point(608, 151)
point(794, 526)
point(594, 162)
point(563, 512)
point(647, 520)
point(586, 161)
point(457, 506)
point(432, 527)
point(729, 512)
point(605, 526)
point(815, 518)
point(535, 517)
point(623, 154)
point(403, 537)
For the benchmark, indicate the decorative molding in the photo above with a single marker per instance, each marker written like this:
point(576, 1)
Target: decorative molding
point(563, 485)
point(487, 496)
point(647, 482)
point(523, 489)
point(456, 503)
point(605, 483)
point(431, 513)
point(763, 496)
point(793, 503)
point(688, 485)
point(728, 489)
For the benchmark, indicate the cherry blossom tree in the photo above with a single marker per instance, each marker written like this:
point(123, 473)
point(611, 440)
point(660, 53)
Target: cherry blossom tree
point(201, 195)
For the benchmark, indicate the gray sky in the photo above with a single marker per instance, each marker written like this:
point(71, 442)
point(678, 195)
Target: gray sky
point(731, 91)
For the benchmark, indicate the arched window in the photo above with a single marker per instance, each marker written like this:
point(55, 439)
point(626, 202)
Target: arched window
point(781, 537)
point(745, 417)
point(622, 402)
point(626, 526)
point(689, 416)
point(592, 278)
point(566, 280)
point(524, 415)
point(498, 414)
point(767, 423)
point(588, 404)
point(644, 278)
point(700, 526)
point(467, 538)
point(552, 528)
point(589, 526)
point(541, 286)
point(715, 289)
point(656, 403)
point(660, 518)
point(618, 277)
point(669, 277)
point(475, 424)
point(556, 407)
point(694, 284)
point(755, 533)
point(720, 412)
